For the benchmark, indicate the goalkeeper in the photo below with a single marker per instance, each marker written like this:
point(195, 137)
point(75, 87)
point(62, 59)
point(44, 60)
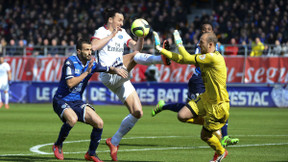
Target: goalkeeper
point(196, 87)
point(211, 108)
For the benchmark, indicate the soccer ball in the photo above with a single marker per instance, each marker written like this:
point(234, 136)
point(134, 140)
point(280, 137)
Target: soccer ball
point(140, 28)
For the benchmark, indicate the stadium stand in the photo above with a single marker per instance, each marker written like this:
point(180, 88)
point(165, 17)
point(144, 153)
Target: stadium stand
point(31, 25)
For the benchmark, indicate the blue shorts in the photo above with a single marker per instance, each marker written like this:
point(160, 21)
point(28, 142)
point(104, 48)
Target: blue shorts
point(79, 107)
point(195, 86)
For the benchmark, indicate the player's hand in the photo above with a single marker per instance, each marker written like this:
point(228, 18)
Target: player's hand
point(90, 65)
point(157, 41)
point(119, 71)
point(115, 30)
point(177, 38)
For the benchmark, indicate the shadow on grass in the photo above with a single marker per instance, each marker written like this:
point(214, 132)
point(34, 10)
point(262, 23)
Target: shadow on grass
point(35, 158)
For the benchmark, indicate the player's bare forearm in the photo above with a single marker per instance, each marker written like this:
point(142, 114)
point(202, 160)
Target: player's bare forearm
point(137, 46)
point(119, 71)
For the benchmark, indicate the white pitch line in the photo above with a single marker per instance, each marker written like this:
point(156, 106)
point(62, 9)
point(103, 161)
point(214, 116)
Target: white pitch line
point(36, 151)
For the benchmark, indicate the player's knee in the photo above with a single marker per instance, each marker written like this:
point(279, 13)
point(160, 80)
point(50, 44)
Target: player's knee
point(72, 121)
point(100, 124)
point(204, 137)
point(180, 118)
point(138, 114)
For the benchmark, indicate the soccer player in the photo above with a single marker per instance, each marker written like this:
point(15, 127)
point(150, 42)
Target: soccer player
point(109, 41)
point(196, 87)
point(211, 108)
point(5, 77)
point(68, 104)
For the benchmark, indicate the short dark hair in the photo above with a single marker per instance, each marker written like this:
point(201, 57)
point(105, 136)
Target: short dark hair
point(208, 23)
point(109, 12)
point(80, 42)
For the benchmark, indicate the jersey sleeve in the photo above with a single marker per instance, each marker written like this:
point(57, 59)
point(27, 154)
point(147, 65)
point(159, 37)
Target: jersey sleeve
point(98, 68)
point(97, 34)
point(208, 58)
point(69, 69)
point(8, 68)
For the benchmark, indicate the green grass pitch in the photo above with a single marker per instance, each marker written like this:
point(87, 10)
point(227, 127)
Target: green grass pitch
point(263, 134)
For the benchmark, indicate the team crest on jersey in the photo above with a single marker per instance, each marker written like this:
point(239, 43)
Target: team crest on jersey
point(202, 57)
point(120, 36)
point(77, 71)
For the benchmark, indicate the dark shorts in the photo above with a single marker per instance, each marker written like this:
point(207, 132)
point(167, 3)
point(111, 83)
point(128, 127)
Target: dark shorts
point(79, 107)
point(195, 86)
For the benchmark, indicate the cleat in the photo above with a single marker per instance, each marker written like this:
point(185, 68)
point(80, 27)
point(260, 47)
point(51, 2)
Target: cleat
point(166, 46)
point(6, 106)
point(92, 158)
point(158, 108)
point(177, 38)
point(214, 157)
point(113, 149)
point(226, 141)
point(58, 152)
point(1, 104)
point(219, 158)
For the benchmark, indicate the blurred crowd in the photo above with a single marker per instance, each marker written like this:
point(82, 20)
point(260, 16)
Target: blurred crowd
point(54, 23)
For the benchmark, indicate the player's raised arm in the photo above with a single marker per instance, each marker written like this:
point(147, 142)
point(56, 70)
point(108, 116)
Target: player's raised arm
point(187, 57)
point(98, 43)
point(136, 46)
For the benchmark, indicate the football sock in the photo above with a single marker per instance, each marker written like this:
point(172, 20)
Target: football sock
point(0, 97)
point(215, 144)
point(6, 98)
point(224, 129)
point(95, 140)
point(65, 129)
point(126, 125)
point(176, 107)
point(147, 59)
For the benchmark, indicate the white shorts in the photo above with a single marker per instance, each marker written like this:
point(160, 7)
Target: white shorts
point(122, 87)
point(4, 86)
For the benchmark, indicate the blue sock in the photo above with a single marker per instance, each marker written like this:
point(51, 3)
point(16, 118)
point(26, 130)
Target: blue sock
point(224, 129)
point(95, 140)
point(176, 107)
point(65, 129)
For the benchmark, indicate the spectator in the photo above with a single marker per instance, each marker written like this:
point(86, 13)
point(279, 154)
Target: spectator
point(12, 48)
point(257, 47)
point(243, 48)
point(232, 49)
point(277, 48)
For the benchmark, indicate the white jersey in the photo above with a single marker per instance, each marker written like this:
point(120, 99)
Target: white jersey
point(112, 53)
point(4, 69)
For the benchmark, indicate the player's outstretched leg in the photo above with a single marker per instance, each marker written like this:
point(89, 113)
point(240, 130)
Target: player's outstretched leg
point(166, 45)
point(226, 141)
point(158, 108)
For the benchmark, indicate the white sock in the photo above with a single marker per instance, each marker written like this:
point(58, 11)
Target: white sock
point(147, 59)
point(6, 98)
point(127, 124)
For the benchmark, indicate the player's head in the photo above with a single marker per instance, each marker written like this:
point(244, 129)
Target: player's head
point(113, 17)
point(206, 27)
point(208, 43)
point(84, 49)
